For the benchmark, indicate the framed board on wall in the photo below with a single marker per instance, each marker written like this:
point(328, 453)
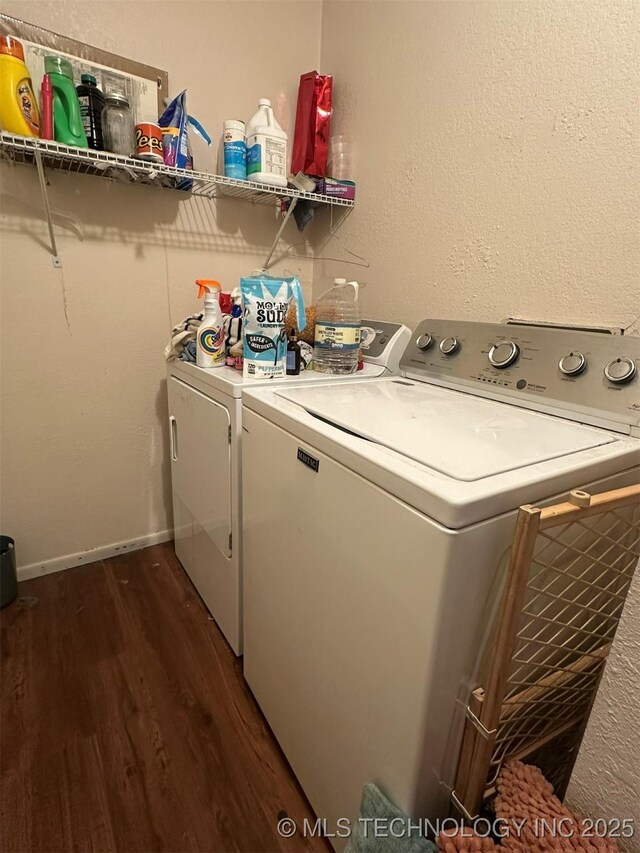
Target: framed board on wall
point(145, 87)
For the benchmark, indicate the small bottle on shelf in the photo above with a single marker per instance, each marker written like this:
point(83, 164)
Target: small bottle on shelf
point(91, 106)
point(46, 110)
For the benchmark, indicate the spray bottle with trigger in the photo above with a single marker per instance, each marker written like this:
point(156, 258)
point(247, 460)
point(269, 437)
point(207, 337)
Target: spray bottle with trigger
point(210, 349)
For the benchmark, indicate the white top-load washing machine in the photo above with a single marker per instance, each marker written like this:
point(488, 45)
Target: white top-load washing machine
point(205, 421)
point(377, 521)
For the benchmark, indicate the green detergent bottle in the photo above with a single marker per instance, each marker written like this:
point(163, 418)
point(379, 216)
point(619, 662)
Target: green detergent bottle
point(67, 119)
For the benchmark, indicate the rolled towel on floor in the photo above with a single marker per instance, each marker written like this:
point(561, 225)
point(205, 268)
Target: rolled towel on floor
point(384, 828)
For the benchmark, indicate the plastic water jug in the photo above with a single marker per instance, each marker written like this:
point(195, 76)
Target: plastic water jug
point(337, 337)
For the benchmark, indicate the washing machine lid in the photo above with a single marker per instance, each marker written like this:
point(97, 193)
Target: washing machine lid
point(463, 437)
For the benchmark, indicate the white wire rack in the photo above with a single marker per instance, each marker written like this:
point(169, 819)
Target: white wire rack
point(68, 158)
point(570, 570)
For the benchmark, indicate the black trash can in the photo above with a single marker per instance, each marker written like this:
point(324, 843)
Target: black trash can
point(8, 577)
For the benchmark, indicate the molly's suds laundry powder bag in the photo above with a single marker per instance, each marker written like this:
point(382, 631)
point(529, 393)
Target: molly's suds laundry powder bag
point(265, 303)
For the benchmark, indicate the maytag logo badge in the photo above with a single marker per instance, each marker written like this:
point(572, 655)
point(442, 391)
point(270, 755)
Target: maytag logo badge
point(309, 461)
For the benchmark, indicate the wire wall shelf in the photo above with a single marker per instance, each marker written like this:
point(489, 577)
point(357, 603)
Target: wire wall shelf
point(68, 158)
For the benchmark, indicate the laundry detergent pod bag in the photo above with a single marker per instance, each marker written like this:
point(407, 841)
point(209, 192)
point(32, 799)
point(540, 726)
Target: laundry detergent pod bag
point(265, 303)
point(176, 146)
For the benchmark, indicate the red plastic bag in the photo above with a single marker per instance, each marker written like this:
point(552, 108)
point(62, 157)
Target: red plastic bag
point(313, 119)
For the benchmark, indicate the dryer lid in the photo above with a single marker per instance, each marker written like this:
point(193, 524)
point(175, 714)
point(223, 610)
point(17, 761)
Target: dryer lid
point(462, 436)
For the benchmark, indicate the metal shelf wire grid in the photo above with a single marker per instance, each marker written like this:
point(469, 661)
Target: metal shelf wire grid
point(570, 570)
point(68, 158)
point(576, 590)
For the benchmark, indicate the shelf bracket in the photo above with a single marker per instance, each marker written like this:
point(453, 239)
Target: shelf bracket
point(294, 201)
point(57, 262)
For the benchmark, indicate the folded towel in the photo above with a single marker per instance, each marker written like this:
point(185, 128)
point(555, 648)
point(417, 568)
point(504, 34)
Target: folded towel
point(181, 335)
point(189, 352)
point(233, 329)
point(391, 832)
point(185, 332)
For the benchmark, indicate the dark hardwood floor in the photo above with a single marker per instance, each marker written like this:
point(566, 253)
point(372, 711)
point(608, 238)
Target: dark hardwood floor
point(127, 725)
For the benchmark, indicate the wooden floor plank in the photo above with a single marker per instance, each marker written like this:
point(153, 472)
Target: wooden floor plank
point(127, 724)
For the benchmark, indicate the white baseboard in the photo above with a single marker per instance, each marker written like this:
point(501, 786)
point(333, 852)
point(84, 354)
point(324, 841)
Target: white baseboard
point(59, 564)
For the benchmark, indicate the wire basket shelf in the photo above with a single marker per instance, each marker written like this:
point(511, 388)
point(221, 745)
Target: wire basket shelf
point(570, 571)
point(68, 158)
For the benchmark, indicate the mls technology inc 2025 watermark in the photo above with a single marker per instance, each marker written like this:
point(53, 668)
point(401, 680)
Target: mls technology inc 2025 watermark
point(378, 827)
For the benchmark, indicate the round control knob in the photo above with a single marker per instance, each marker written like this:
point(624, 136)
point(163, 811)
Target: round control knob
point(449, 345)
point(620, 370)
point(504, 354)
point(572, 364)
point(423, 342)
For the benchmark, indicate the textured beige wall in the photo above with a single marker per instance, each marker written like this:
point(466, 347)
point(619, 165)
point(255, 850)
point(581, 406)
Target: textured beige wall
point(84, 459)
point(495, 149)
point(606, 780)
point(496, 152)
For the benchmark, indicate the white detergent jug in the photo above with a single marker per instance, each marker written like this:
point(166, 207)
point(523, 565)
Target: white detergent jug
point(266, 147)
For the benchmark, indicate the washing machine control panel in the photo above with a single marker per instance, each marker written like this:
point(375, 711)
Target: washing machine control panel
point(504, 354)
point(449, 346)
point(588, 376)
point(383, 343)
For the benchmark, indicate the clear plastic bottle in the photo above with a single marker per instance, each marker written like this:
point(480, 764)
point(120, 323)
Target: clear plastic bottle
point(337, 337)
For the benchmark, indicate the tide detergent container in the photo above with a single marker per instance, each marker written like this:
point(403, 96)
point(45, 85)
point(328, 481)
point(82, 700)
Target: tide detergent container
point(19, 111)
point(210, 337)
point(266, 147)
point(265, 304)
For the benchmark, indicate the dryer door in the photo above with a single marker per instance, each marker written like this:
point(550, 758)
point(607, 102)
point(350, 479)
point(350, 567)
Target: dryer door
point(201, 460)
point(201, 470)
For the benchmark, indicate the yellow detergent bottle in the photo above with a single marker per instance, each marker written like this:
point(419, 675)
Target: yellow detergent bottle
point(19, 111)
